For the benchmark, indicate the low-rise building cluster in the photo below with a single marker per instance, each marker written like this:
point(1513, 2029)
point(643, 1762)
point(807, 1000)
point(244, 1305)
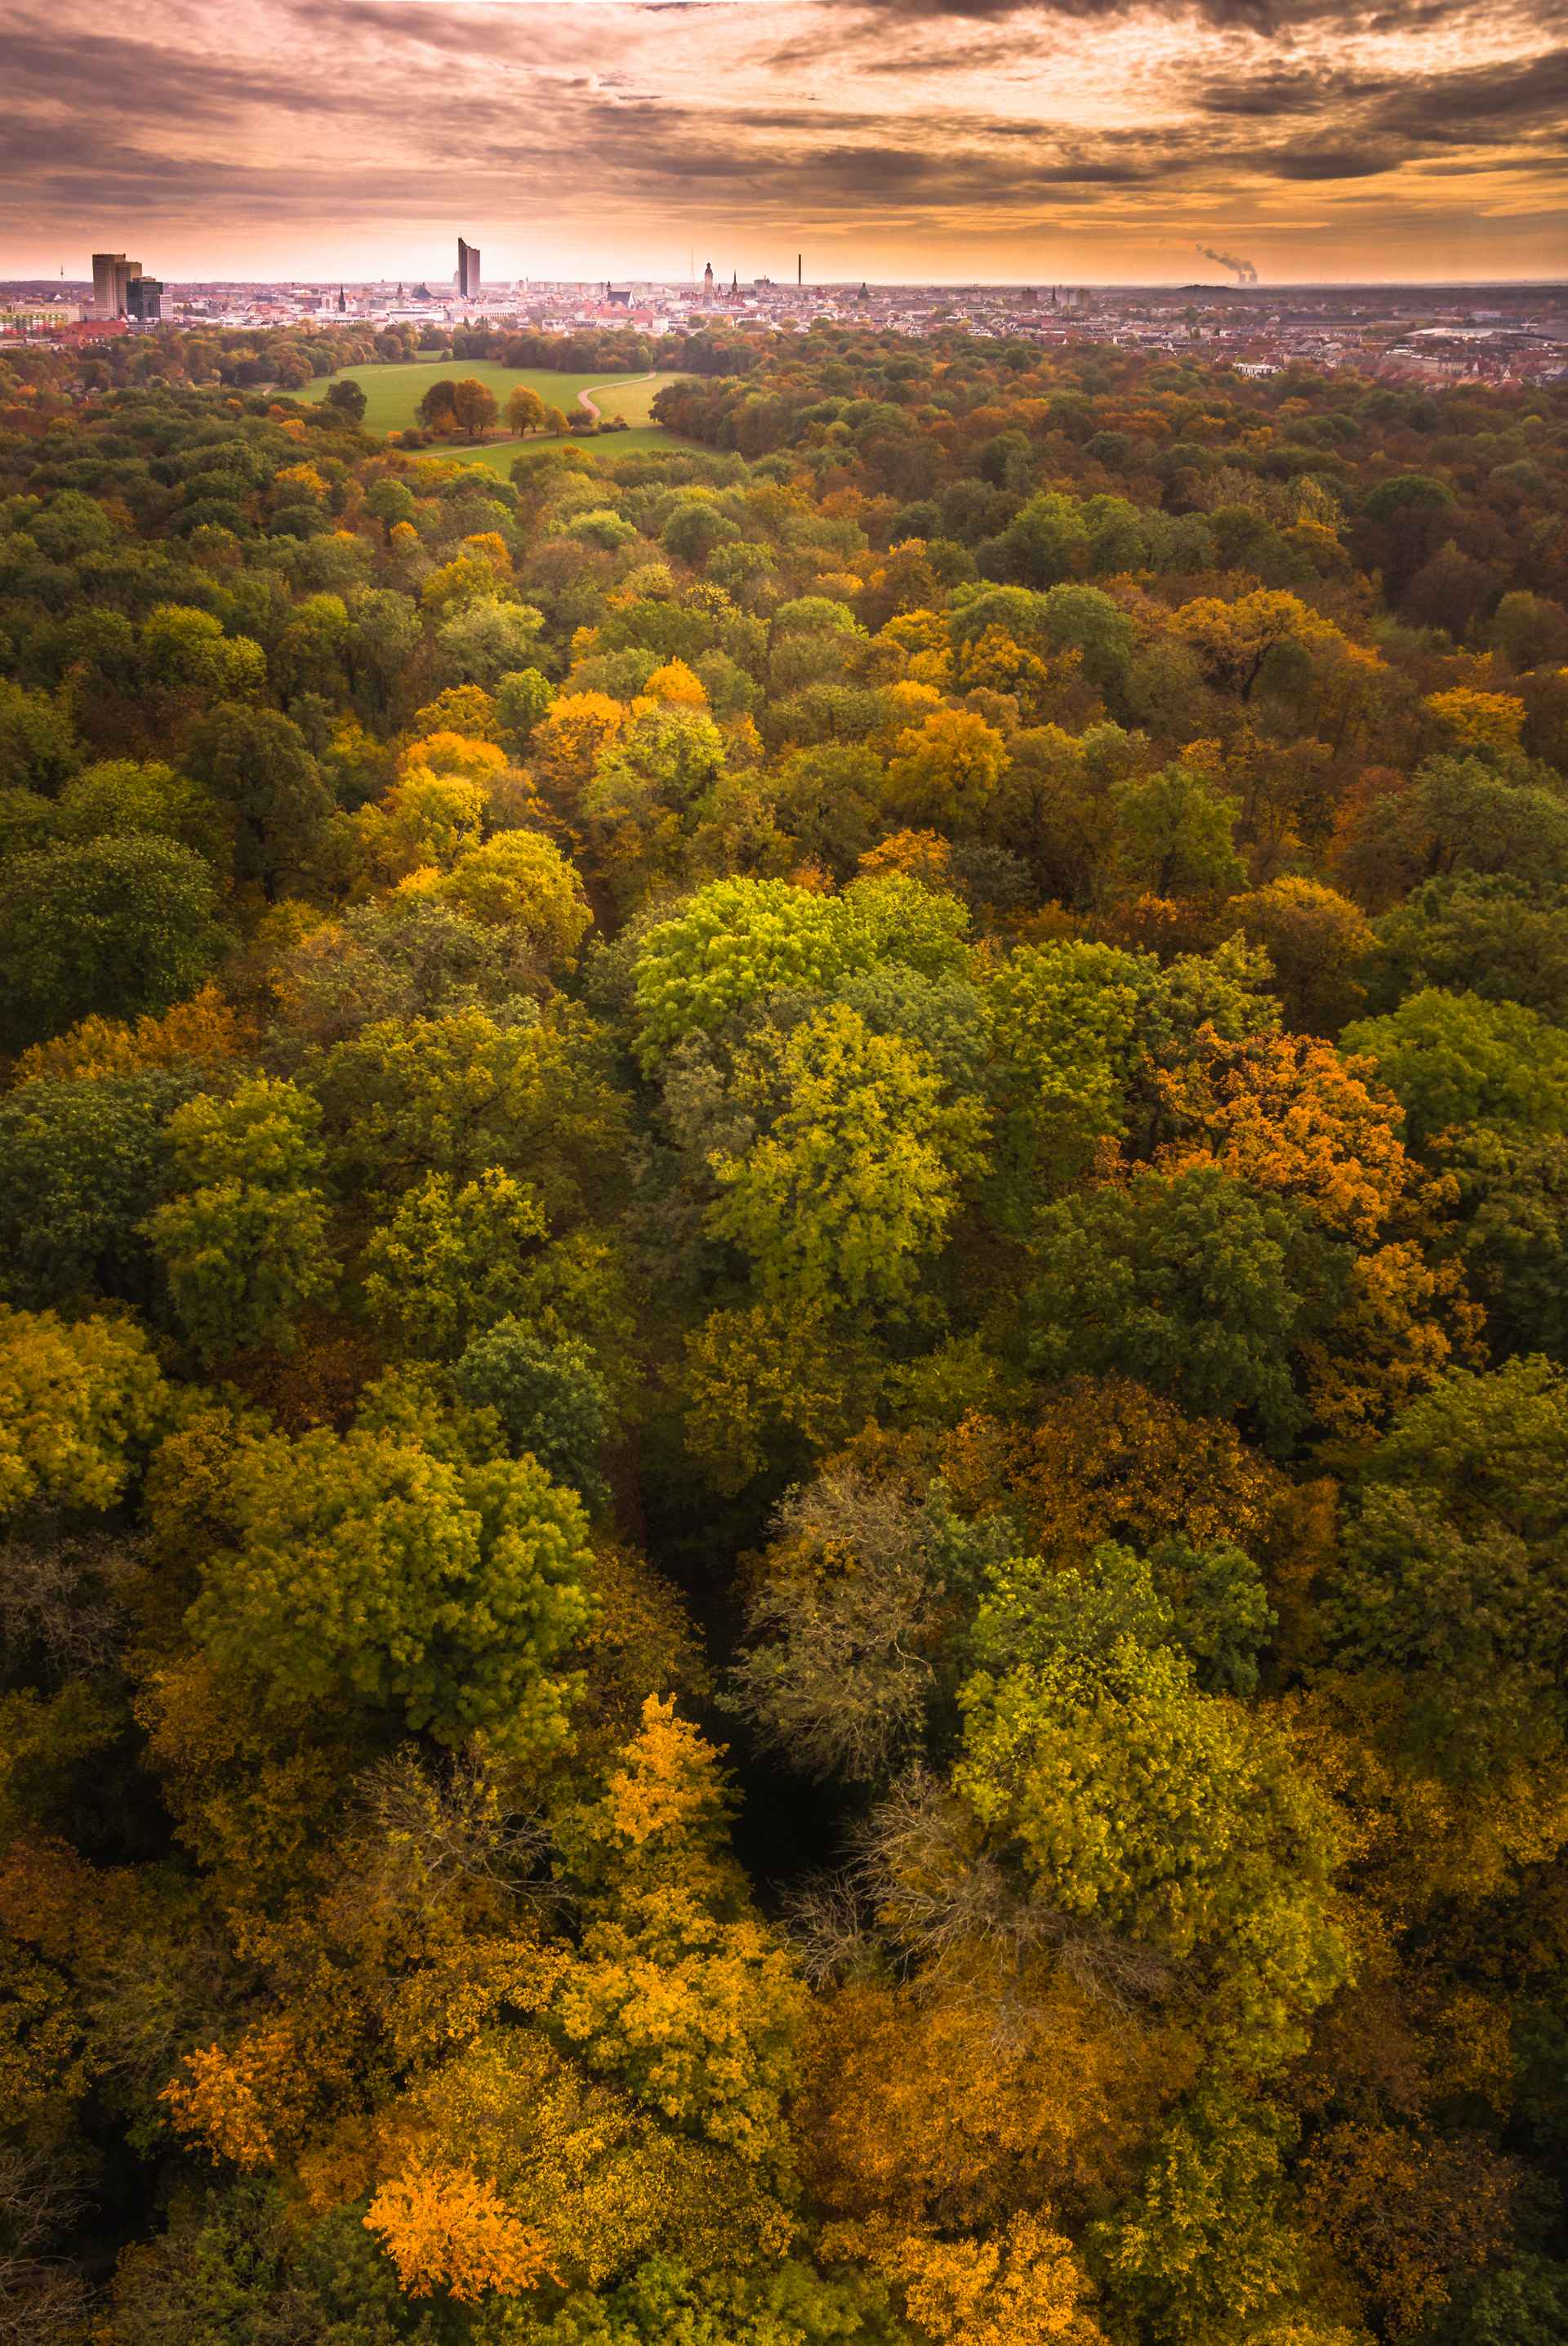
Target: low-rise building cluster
point(1499, 334)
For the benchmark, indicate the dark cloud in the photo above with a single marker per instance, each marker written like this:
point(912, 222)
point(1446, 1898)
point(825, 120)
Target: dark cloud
point(1263, 96)
point(1482, 102)
point(835, 114)
point(1370, 124)
point(40, 65)
point(1275, 21)
point(1090, 174)
point(1314, 163)
point(1265, 16)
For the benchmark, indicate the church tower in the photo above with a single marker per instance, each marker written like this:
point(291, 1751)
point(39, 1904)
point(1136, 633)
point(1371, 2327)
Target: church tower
point(708, 282)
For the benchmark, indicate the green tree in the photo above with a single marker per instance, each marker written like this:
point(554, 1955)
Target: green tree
point(487, 640)
point(114, 927)
point(95, 1148)
point(453, 1259)
point(120, 799)
point(1523, 2304)
point(785, 2304)
point(38, 740)
point(521, 696)
point(1070, 1023)
point(1455, 1584)
point(736, 940)
point(243, 1240)
point(1190, 1284)
point(437, 409)
point(549, 1395)
point(1204, 2241)
point(1451, 1059)
point(1513, 1233)
point(362, 1565)
point(458, 1094)
point(1175, 834)
point(1459, 816)
point(1146, 1808)
point(235, 2261)
point(733, 940)
point(1084, 619)
point(858, 1181)
point(348, 399)
point(391, 501)
point(383, 631)
point(256, 763)
point(1476, 934)
point(1048, 541)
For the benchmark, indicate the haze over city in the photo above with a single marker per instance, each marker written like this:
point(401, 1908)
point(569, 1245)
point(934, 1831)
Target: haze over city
point(1309, 140)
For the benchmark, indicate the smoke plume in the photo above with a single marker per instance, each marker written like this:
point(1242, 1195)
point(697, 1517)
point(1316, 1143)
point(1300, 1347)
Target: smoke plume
point(1242, 271)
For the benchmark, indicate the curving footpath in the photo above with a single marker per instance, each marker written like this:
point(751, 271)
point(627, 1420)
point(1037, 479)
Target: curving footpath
point(585, 396)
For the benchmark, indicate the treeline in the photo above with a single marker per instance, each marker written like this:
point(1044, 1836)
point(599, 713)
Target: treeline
point(783, 1366)
point(39, 385)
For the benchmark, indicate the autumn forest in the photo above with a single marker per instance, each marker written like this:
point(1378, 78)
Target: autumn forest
point(783, 1355)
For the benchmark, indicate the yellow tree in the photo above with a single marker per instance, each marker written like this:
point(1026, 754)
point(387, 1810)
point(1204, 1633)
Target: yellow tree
point(1234, 640)
point(80, 1405)
point(525, 410)
point(682, 1992)
point(569, 743)
point(1478, 721)
point(945, 770)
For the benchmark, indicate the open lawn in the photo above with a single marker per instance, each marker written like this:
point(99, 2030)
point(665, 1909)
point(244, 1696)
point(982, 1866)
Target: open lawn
point(393, 393)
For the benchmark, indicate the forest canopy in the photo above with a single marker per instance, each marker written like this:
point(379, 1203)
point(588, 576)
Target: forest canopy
point(783, 1360)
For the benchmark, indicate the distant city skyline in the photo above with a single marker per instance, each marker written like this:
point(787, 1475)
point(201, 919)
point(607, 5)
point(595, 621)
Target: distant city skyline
point(332, 280)
point(937, 141)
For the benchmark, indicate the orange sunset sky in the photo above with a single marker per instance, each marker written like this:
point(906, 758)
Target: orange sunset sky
point(924, 139)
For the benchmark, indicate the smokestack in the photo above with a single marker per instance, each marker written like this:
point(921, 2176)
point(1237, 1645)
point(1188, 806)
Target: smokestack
point(799, 281)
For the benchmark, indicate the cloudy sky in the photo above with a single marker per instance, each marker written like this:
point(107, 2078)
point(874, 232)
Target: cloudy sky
point(1091, 141)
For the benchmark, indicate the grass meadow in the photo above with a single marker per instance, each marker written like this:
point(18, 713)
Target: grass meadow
point(392, 393)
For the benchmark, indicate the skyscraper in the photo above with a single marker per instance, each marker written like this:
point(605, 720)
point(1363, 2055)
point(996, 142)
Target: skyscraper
point(467, 271)
point(708, 282)
point(112, 272)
